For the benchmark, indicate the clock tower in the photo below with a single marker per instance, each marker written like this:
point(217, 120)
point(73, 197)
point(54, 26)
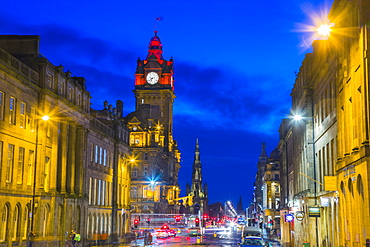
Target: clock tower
point(154, 176)
point(154, 85)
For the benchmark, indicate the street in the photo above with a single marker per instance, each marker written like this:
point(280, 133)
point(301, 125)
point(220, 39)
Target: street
point(212, 237)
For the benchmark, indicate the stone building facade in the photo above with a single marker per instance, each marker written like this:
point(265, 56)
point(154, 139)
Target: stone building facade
point(328, 186)
point(65, 173)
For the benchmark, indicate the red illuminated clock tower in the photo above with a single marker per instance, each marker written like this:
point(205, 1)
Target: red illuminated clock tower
point(154, 84)
point(154, 177)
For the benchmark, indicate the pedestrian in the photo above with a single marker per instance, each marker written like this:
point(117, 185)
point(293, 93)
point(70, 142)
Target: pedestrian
point(150, 238)
point(31, 236)
point(77, 239)
point(72, 236)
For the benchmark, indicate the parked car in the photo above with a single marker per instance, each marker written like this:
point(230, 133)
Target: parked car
point(162, 234)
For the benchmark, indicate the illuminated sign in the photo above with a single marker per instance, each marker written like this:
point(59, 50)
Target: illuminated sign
point(289, 217)
point(313, 211)
point(299, 215)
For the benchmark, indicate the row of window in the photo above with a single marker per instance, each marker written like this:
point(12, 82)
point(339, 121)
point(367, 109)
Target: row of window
point(101, 156)
point(18, 164)
point(72, 94)
point(100, 224)
point(100, 193)
point(8, 112)
point(16, 225)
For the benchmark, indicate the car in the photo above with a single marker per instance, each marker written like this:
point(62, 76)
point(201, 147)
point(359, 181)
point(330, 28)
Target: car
point(166, 228)
point(251, 231)
point(195, 231)
point(171, 232)
point(162, 234)
point(253, 241)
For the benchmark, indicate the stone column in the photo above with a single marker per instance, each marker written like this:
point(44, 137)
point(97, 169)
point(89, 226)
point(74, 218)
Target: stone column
point(62, 158)
point(71, 160)
point(80, 151)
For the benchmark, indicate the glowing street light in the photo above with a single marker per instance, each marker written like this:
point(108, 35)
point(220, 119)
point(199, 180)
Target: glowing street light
point(297, 117)
point(45, 118)
point(324, 29)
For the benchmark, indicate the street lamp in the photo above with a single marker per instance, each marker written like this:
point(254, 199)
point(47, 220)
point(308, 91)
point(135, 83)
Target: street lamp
point(299, 118)
point(33, 204)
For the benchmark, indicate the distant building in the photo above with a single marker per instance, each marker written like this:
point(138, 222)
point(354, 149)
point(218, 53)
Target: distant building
point(154, 184)
point(198, 191)
point(264, 210)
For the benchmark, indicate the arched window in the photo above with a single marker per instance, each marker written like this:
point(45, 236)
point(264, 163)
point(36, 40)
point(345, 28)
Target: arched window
point(342, 188)
point(102, 224)
point(16, 222)
point(93, 224)
point(4, 222)
point(45, 222)
point(26, 221)
point(89, 231)
point(350, 186)
point(360, 186)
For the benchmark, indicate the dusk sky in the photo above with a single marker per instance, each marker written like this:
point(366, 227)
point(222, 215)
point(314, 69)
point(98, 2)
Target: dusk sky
point(235, 64)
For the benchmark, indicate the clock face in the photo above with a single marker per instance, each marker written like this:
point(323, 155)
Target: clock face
point(152, 78)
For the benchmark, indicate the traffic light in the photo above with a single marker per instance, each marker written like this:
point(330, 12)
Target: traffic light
point(136, 223)
point(177, 218)
point(197, 222)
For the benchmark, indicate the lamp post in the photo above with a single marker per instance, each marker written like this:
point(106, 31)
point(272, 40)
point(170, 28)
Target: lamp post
point(33, 203)
point(299, 118)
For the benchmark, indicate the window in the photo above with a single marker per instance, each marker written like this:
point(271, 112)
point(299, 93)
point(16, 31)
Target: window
point(276, 176)
point(2, 95)
point(32, 119)
point(95, 190)
point(99, 192)
point(26, 221)
point(101, 156)
point(16, 222)
point(78, 99)
point(4, 223)
point(9, 164)
point(96, 154)
point(133, 191)
point(134, 173)
point(92, 152)
point(20, 167)
point(105, 158)
point(90, 190)
point(61, 88)
point(103, 193)
point(145, 171)
point(22, 111)
point(70, 92)
point(12, 102)
point(50, 81)
point(30, 166)
point(46, 173)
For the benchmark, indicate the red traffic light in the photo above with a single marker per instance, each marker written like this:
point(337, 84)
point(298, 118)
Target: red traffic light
point(136, 222)
point(196, 219)
point(177, 218)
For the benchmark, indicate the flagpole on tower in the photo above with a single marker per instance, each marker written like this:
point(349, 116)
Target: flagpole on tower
point(156, 20)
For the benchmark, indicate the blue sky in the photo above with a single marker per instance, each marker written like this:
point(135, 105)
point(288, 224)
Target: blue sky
point(235, 64)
